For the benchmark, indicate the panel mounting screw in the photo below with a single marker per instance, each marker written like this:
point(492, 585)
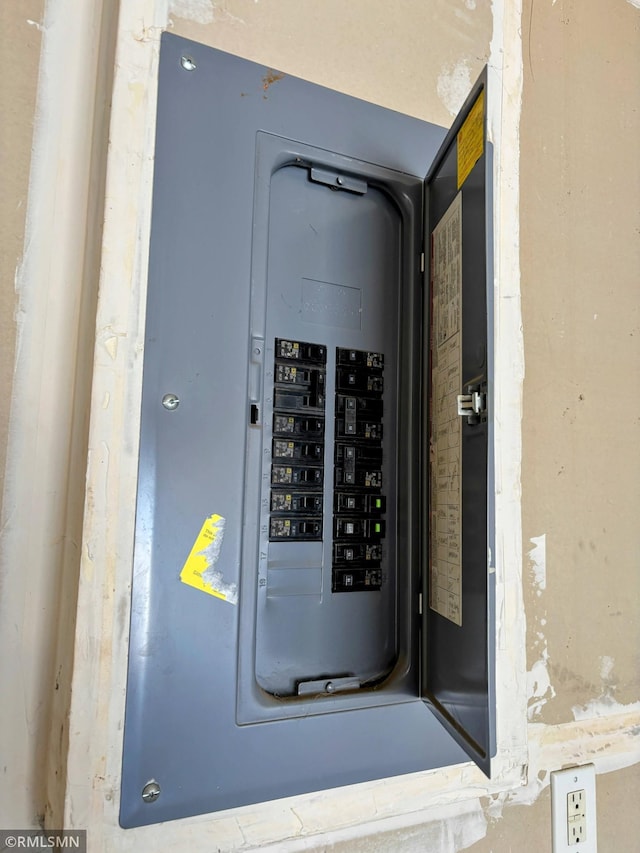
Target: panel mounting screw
point(339, 181)
point(329, 687)
point(187, 63)
point(170, 402)
point(151, 792)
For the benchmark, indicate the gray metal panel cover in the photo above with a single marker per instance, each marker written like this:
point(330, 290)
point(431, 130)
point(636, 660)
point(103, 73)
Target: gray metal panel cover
point(181, 727)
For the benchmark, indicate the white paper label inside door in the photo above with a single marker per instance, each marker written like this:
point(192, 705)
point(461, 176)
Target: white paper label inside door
point(446, 426)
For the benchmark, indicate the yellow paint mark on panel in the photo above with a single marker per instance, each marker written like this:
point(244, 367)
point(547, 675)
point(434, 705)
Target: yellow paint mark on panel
point(199, 568)
point(471, 140)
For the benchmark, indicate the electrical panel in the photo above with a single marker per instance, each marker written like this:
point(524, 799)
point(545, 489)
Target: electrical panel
point(312, 600)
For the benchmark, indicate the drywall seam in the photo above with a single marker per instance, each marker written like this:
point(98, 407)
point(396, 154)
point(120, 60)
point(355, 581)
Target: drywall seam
point(199, 11)
point(606, 704)
point(454, 84)
point(611, 745)
point(448, 828)
point(49, 282)
point(504, 85)
point(539, 687)
point(538, 560)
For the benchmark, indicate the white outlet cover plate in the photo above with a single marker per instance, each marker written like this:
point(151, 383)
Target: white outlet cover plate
point(563, 782)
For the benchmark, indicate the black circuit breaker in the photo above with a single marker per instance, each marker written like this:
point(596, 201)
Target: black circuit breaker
point(297, 470)
point(358, 503)
point(298, 451)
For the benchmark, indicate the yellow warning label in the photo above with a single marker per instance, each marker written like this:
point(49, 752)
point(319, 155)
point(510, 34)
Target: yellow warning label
point(471, 140)
point(200, 568)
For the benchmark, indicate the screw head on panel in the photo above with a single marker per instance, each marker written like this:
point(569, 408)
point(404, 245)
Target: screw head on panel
point(151, 792)
point(187, 63)
point(170, 402)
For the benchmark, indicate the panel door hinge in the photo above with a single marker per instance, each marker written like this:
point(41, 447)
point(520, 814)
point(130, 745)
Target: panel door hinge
point(420, 604)
point(472, 405)
point(422, 262)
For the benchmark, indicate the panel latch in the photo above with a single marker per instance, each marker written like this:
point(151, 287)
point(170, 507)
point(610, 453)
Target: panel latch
point(472, 405)
point(328, 686)
point(338, 181)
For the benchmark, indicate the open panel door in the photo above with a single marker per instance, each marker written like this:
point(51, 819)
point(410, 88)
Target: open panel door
point(457, 619)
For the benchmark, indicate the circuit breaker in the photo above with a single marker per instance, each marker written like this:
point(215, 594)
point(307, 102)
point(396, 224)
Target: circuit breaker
point(312, 595)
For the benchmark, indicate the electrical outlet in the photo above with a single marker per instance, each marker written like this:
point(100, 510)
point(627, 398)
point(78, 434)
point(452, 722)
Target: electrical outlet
point(576, 817)
point(573, 810)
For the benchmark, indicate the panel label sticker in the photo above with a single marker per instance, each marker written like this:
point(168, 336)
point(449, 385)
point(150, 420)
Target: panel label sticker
point(445, 563)
point(471, 140)
point(200, 569)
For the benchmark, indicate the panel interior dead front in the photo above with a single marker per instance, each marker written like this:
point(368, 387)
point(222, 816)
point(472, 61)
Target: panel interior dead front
point(327, 611)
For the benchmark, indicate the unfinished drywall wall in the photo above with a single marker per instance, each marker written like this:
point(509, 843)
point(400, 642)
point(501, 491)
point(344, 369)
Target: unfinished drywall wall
point(580, 263)
point(19, 61)
point(417, 58)
point(581, 310)
point(528, 827)
point(20, 42)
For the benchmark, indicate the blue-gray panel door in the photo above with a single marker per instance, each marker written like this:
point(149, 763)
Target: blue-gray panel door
point(458, 621)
